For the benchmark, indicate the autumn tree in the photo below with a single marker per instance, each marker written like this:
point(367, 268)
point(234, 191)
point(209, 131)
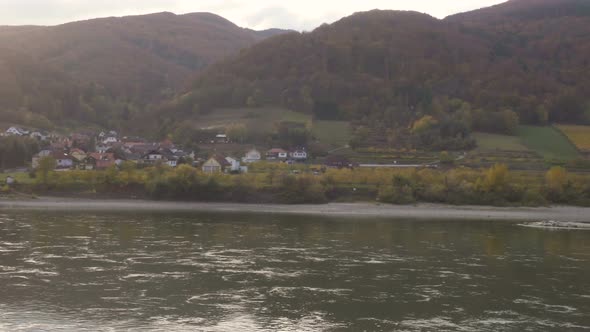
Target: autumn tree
point(556, 181)
point(237, 133)
point(496, 179)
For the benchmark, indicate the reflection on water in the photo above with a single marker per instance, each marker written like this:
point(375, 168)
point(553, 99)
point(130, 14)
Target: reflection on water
point(226, 272)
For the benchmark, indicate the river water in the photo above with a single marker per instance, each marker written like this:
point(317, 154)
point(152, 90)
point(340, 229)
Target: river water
point(230, 272)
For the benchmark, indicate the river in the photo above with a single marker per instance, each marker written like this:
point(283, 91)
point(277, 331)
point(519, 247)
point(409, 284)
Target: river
point(125, 271)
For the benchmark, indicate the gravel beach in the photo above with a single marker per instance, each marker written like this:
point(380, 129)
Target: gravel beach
point(420, 211)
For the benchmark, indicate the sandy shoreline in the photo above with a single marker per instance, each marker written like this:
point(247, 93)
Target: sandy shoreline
point(421, 211)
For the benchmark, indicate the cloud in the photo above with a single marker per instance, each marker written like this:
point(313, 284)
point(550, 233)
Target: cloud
point(282, 17)
point(259, 14)
point(61, 11)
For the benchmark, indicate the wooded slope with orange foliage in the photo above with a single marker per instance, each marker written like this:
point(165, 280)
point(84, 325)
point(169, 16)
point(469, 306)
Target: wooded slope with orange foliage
point(134, 59)
point(386, 69)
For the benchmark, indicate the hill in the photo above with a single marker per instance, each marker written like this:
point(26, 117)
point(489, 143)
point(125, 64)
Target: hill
point(133, 60)
point(485, 70)
point(524, 10)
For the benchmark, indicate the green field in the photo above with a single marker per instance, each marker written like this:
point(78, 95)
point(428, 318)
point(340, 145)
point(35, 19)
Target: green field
point(548, 142)
point(258, 119)
point(334, 133)
point(496, 142)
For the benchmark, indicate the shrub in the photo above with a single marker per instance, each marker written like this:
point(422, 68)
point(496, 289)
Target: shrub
point(396, 195)
point(401, 191)
point(301, 190)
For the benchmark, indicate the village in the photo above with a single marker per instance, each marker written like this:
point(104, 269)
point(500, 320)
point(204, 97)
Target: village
point(106, 149)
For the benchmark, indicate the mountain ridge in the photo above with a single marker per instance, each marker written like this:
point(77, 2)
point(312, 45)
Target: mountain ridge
point(135, 60)
point(379, 69)
point(526, 10)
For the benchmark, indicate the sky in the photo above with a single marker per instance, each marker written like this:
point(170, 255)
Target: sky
point(256, 14)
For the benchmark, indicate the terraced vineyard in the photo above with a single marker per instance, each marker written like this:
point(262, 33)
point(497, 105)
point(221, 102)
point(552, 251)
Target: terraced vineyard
point(260, 120)
point(578, 135)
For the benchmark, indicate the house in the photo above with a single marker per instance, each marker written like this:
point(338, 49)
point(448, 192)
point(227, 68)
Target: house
point(298, 155)
point(142, 148)
point(100, 161)
point(216, 164)
point(63, 160)
point(153, 157)
point(252, 156)
point(16, 131)
point(169, 157)
point(277, 154)
point(221, 138)
point(10, 180)
point(78, 155)
point(39, 136)
point(235, 166)
point(110, 140)
point(102, 148)
point(167, 144)
point(127, 155)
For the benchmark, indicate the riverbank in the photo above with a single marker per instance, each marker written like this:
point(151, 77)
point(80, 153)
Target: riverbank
point(420, 211)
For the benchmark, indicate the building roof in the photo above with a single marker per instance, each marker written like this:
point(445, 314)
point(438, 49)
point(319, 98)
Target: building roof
point(276, 150)
point(103, 156)
point(167, 143)
point(221, 160)
point(142, 148)
point(131, 156)
point(146, 155)
point(20, 131)
point(133, 139)
point(60, 155)
point(168, 154)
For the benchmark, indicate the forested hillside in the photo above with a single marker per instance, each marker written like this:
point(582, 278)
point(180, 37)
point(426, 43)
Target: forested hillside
point(408, 76)
point(540, 51)
point(105, 71)
point(401, 78)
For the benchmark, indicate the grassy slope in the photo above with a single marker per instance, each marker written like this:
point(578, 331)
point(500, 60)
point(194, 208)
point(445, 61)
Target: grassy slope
point(262, 120)
point(334, 133)
point(548, 142)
